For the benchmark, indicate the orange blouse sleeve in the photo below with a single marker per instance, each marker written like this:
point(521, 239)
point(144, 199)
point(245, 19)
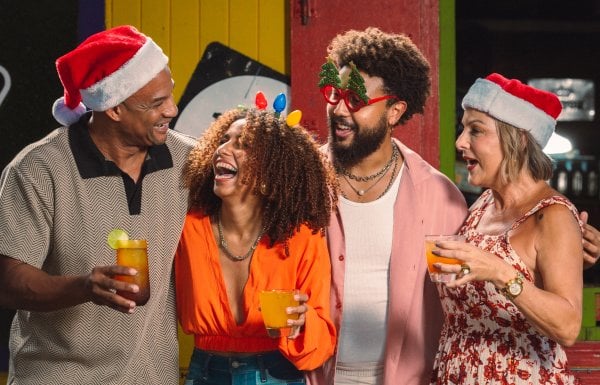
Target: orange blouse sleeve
point(317, 342)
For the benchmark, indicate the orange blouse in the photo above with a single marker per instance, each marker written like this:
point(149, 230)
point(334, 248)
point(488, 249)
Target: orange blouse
point(203, 307)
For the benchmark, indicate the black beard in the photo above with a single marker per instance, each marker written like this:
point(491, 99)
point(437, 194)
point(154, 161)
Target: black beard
point(365, 142)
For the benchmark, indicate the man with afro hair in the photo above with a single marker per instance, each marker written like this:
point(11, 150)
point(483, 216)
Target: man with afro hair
point(385, 308)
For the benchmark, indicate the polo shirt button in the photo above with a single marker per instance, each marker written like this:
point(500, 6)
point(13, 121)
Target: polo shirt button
point(338, 305)
point(341, 257)
point(235, 364)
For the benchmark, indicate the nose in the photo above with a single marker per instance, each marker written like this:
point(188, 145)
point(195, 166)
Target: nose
point(340, 109)
point(171, 110)
point(461, 142)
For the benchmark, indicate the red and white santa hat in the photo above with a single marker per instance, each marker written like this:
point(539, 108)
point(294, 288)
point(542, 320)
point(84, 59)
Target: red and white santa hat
point(104, 70)
point(517, 104)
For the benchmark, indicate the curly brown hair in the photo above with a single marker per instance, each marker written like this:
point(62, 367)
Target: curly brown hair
point(294, 179)
point(392, 57)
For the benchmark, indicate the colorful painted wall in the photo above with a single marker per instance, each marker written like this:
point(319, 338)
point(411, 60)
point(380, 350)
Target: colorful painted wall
point(183, 28)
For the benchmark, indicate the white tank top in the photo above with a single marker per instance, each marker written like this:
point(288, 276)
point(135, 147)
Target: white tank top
point(368, 232)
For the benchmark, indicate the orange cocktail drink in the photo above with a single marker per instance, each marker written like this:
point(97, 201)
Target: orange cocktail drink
point(273, 305)
point(436, 274)
point(133, 253)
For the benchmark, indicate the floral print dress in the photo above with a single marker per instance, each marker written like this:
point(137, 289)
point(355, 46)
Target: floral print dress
point(485, 338)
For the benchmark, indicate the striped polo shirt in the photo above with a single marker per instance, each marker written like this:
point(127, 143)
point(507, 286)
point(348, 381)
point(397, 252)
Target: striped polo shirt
point(59, 199)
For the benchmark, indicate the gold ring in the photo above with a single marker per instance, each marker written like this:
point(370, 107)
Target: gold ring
point(465, 269)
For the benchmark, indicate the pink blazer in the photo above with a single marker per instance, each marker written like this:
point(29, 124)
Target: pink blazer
point(427, 203)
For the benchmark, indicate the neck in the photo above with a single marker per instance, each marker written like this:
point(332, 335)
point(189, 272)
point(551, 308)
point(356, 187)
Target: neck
point(241, 221)
point(105, 135)
point(520, 192)
point(372, 163)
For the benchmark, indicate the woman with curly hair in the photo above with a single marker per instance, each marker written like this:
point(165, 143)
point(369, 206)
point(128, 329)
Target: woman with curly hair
point(261, 195)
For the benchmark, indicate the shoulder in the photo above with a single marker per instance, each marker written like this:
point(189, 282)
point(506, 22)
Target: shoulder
point(176, 138)
point(555, 211)
point(426, 179)
point(43, 153)
point(304, 234)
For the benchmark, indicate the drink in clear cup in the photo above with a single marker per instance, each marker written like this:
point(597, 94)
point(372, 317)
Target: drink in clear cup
point(434, 273)
point(272, 306)
point(133, 253)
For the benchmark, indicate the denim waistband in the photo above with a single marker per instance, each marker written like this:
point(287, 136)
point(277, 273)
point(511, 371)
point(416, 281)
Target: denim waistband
point(273, 361)
point(215, 361)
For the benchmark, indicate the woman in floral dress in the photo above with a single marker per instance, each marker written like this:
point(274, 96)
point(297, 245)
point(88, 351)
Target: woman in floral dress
point(517, 298)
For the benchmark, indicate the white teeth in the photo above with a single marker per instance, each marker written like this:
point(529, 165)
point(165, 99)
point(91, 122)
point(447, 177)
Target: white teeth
point(224, 169)
point(226, 166)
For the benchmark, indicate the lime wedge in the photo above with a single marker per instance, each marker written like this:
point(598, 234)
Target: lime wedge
point(116, 235)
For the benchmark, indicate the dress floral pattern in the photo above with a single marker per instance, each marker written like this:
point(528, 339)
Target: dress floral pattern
point(485, 339)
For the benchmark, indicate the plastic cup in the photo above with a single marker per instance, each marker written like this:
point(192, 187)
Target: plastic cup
point(272, 306)
point(436, 274)
point(133, 253)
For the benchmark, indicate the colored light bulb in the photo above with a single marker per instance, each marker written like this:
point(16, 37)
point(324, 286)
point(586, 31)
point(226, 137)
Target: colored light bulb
point(293, 118)
point(260, 101)
point(279, 103)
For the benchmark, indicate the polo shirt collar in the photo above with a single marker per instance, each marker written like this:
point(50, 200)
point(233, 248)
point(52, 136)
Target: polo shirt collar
point(92, 164)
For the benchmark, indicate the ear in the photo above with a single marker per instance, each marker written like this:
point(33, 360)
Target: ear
point(115, 112)
point(395, 112)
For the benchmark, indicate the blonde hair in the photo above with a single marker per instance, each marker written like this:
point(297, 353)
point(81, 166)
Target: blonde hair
point(521, 150)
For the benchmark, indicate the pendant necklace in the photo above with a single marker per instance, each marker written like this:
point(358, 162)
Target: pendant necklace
point(362, 192)
point(379, 173)
point(229, 254)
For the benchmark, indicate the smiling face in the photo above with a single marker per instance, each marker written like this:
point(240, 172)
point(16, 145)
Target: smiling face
point(145, 116)
point(480, 146)
point(356, 135)
point(228, 164)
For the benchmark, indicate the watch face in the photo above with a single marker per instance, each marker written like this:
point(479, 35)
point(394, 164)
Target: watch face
point(515, 288)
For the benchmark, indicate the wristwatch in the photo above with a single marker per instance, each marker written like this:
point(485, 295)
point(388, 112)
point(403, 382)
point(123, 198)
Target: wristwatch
point(514, 287)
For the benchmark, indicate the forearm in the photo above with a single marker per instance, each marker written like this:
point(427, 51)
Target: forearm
point(556, 316)
point(314, 345)
point(23, 286)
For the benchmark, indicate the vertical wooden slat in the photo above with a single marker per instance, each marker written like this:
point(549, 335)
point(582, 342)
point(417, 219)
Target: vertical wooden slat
point(273, 35)
point(214, 23)
point(243, 27)
point(447, 103)
point(126, 12)
point(185, 42)
point(156, 17)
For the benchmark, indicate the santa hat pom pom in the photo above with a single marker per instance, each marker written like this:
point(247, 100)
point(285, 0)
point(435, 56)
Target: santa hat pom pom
point(64, 115)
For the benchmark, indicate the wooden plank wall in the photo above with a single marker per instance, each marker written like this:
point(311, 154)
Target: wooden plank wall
point(183, 28)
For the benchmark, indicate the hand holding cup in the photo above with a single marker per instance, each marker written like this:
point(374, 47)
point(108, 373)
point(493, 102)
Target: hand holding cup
point(436, 274)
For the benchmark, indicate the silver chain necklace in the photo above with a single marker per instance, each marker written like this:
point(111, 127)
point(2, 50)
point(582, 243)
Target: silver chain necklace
point(379, 173)
point(229, 254)
point(360, 193)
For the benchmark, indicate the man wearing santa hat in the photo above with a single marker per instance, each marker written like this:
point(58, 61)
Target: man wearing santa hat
point(114, 164)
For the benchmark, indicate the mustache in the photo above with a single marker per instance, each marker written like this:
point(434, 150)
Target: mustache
point(337, 121)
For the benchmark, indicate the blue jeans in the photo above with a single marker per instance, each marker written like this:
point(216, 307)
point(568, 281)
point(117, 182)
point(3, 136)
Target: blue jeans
point(269, 368)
